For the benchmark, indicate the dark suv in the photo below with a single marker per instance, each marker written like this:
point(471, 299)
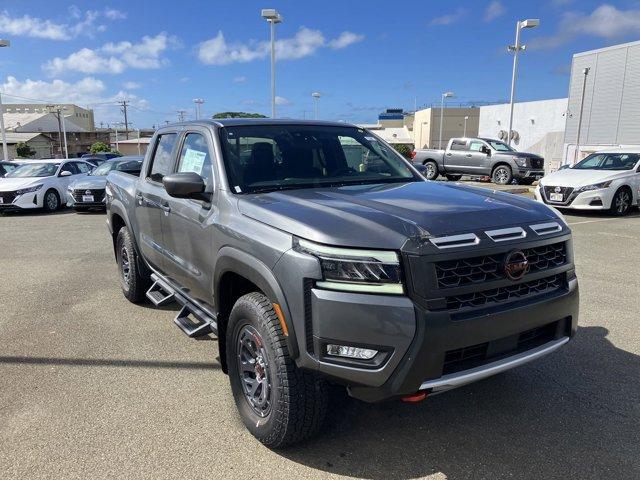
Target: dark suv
point(318, 254)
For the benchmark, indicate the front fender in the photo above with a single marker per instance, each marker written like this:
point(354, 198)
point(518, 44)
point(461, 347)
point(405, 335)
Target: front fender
point(237, 261)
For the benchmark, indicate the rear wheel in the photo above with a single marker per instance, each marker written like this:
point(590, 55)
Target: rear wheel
point(502, 175)
point(621, 202)
point(431, 172)
point(454, 178)
point(134, 283)
point(278, 403)
point(51, 201)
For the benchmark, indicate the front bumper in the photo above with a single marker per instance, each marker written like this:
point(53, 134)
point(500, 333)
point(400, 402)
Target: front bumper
point(528, 173)
point(27, 201)
point(77, 201)
point(590, 200)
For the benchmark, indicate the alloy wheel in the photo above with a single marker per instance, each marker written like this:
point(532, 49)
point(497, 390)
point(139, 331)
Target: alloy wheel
point(431, 170)
point(52, 201)
point(622, 202)
point(501, 175)
point(253, 368)
point(125, 266)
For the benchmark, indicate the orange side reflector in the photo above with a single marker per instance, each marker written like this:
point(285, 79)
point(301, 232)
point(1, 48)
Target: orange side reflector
point(278, 311)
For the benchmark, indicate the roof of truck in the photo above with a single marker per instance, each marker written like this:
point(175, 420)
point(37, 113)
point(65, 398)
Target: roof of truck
point(236, 122)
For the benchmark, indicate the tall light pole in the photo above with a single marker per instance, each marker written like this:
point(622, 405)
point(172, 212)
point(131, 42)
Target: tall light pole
point(5, 150)
point(316, 96)
point(464, 131)
point(529, 23)
point(272, 16)
point(198, 102)
point(444, 95)
point(585, 72)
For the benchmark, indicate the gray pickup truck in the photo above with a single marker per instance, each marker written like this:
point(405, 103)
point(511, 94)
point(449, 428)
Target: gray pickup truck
point(318, 255)
point(480, 156)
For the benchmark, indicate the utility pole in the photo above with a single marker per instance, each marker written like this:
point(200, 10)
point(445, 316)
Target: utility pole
point(585, 72)
point(56, 110)
point(198, 102)
point(124, 104)
point(181, 115)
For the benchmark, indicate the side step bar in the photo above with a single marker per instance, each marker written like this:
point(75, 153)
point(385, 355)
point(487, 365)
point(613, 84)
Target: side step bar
point(159, 294)
point(192, 320)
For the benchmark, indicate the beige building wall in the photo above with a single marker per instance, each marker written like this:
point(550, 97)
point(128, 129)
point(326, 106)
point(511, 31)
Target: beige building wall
point(426, 126)
point(80, 116)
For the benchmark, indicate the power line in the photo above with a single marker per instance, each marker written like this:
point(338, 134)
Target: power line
point(125, 104)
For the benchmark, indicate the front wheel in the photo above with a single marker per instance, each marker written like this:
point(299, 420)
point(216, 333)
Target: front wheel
point(134, 283)
point(621, 202)
point(278, 403)
point(431, 172)
point(502, 175)
point(51, 201)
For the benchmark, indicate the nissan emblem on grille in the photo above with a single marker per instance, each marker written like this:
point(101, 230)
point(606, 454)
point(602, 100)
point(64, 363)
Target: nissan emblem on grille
point(557, 189)
point(87, 192)
point(516, 265)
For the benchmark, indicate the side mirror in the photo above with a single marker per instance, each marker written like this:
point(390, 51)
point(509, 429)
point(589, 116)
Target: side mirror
point(65, 173)
point(186, 185)
point(486, 150)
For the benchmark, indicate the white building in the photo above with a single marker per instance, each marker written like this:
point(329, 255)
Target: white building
point(538, 127)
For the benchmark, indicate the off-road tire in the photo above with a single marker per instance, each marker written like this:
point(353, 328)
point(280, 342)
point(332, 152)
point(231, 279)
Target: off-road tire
point(431, 172)
point(502, 175)
point(135, 284)
point(50, 208)
point(298, 398)
point(621, 202)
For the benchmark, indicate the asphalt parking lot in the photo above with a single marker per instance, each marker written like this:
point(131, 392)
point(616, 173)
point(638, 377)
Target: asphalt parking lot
point(92, 386)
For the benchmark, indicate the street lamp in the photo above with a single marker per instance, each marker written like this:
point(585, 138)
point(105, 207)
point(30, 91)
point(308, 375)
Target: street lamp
point(272, 16)
point(464, 132)
point(5, 150)
point(198, 102)
point(444, 95)
point(529, 23)
point(316, 96)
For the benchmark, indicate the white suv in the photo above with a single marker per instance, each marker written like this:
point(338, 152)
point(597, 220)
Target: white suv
point(606, 180)
point(39, 184)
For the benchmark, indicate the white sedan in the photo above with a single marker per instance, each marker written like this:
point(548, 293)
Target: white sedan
point(39, 184)
point(607, 180)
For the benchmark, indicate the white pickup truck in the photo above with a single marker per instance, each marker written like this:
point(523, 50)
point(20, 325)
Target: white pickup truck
point(480, 156)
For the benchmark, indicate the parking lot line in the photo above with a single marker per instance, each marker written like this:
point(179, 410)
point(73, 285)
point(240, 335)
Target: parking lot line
point(603, 220)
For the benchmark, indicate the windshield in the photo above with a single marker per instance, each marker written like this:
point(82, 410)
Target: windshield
point(261, 158)
point(500, 146)
point(608, 161)
point(35, 170)
point(102, 169)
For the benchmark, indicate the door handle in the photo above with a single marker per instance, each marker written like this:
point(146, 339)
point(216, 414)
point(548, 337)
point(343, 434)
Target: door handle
point(449, 154)
point(139, 198)
point(165, 208)
point(468, 154)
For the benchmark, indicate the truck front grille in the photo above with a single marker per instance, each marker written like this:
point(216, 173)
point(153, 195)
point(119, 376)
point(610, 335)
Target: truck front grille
point(98, 194)
point(467, 271)
point(490, 297)
point(536, 163)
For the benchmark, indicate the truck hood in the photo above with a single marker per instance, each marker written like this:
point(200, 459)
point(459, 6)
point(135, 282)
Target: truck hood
point(517, 154)
point(570, 177)
point(89, 182)
point(16, 183)
point(385, 216)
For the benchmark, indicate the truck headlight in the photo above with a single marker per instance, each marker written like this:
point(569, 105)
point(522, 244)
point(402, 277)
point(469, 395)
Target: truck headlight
point(355, 270)
point(28, 190)
point(521, 162)
point(595, 186)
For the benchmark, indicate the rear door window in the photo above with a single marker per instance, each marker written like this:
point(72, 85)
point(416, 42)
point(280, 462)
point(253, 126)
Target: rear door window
point(458, 145)
point(161, 162)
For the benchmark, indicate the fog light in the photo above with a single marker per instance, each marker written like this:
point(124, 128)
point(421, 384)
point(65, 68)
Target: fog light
point(351, 352)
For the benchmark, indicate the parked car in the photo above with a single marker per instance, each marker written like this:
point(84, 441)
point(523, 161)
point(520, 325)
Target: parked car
point(39, 184)
point(480, 156)
point(606, 180)
point(312, 268)
point(95, 161)
point(100, 155)
point(87, 192)
point(6, 167)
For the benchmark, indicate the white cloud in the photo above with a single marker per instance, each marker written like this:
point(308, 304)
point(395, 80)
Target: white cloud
point(344, 40)
point(131, 85)
point(494, 10)
point(606, 22)
point(240, 79)
point(306, 41)
point(34, 27)
point(184, 79)
point(115, 58)
point(113, 14)
point(283, 101)
point(449, 18)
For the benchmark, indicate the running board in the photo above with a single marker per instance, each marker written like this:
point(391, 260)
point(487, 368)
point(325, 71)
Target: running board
point(159, 294)
point(198, 327)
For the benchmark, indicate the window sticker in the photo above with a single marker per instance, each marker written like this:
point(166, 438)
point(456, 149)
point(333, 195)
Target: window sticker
point(193, 161)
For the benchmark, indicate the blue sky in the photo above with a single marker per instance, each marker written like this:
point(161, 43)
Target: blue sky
point(363, 56)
